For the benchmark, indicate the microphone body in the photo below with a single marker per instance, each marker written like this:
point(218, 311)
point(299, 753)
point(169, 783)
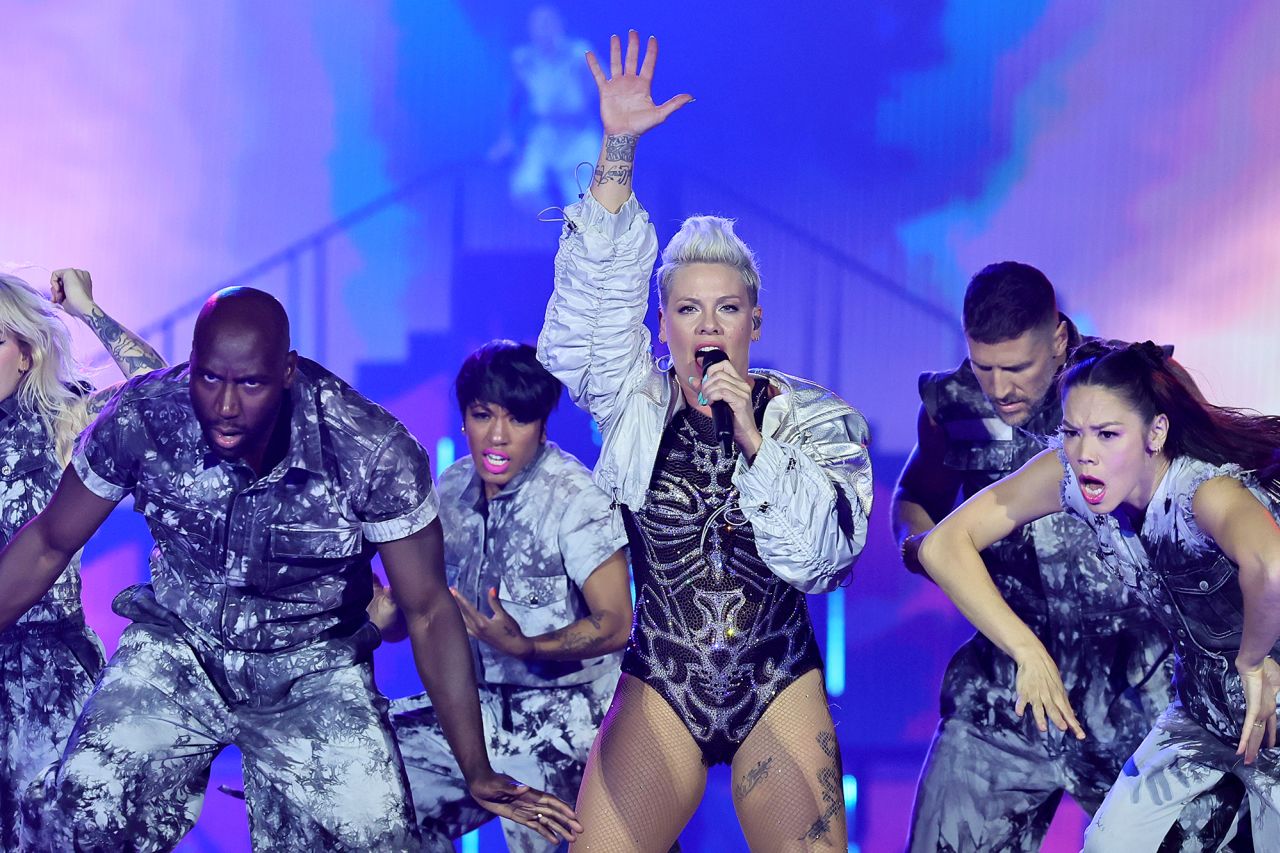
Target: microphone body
point(721, 414)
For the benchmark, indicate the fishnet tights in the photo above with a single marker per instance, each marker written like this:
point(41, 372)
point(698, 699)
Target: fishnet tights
point(645, 777)
point(787, 783)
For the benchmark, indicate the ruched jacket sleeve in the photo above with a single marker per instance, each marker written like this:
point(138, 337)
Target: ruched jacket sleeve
point(593, 338)
point(808, 493)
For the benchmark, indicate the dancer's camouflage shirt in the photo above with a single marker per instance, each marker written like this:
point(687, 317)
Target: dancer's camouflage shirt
point(48, 658)
point(537, 541)
point(29, 473)
point(264, 564)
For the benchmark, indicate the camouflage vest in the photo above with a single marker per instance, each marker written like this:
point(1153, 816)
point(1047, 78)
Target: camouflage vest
point(1048, 571)
point(1191, 586)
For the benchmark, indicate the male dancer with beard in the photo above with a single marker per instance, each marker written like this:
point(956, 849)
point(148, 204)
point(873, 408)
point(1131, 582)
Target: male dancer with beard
point(994, 777)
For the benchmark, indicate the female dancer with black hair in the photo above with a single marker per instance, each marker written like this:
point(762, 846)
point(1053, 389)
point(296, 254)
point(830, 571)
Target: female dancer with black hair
point(538, 573)
point(1183, 498)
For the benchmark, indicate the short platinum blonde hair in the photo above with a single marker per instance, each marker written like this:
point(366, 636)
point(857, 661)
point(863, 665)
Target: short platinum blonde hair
point(53, 387)
point(708, 240)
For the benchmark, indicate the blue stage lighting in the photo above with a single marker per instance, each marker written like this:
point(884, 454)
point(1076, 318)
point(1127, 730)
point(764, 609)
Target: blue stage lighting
point(835, 642)
point(445, 454)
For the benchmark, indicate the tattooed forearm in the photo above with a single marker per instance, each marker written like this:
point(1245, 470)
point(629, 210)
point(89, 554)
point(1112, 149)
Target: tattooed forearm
point(583, 639)
point(130, 352)
point(752, 778)
point(620, 148)
point(580, 645)
point(620, 175)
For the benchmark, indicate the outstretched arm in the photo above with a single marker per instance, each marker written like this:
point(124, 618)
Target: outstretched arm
point(415, 571)
point(73, 290)
point(950, 554)
point(38, 553)
point(594, 339)
point(1246, 532)
point(627, 111)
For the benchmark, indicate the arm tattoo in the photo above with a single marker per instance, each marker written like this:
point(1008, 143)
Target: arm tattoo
point(130, 352)
point(620, 175)
point(581, 643)
point(620, 148)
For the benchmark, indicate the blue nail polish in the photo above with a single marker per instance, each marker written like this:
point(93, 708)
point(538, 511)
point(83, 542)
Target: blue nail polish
point(702, 399)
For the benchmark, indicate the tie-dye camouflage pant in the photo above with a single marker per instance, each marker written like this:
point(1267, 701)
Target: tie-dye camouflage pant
point(1178, 761)
point(321, 768)
point(46, 672)
point(996, 791)
point(539, 736)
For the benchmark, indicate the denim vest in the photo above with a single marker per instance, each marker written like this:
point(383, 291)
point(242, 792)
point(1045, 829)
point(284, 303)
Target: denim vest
point(1189, 584)
point(1048, 571)
point(1112, 655)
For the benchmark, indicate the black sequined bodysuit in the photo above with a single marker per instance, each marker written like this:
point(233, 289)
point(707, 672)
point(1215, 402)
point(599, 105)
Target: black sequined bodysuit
point(716, 633)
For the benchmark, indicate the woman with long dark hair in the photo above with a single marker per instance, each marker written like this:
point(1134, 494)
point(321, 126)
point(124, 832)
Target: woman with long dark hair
point(1183, 498)
point(729, 525)
point(49, 659)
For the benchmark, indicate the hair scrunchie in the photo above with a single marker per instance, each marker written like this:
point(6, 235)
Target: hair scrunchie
point(1151, 353)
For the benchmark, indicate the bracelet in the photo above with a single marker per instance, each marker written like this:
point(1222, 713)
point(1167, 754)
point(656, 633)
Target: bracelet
point(911, 544)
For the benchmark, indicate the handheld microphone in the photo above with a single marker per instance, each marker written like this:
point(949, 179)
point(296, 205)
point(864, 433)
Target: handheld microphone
point(721, 414)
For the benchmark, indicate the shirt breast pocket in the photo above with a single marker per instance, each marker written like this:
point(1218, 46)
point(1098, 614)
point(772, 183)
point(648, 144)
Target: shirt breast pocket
point(538, 603)
point(21, 469)
point(25, 488)
point(182, 523)
point(1209, 596)
point(297, 554)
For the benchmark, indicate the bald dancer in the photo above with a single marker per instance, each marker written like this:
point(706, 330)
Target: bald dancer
point(268, 484)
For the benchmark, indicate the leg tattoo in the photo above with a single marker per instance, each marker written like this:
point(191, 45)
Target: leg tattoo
point(752, 778)
point(829, 784)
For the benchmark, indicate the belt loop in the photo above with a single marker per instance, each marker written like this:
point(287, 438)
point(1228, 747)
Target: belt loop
point(504, 690)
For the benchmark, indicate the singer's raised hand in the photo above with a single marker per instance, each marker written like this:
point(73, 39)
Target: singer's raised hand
point(627, 111)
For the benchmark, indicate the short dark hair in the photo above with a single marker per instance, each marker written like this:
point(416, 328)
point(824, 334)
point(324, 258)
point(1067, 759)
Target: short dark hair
point(1006, 300)
point(510, 375)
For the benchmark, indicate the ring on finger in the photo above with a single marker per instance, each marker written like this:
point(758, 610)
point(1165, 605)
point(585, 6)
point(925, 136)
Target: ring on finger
point(1259, 724)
